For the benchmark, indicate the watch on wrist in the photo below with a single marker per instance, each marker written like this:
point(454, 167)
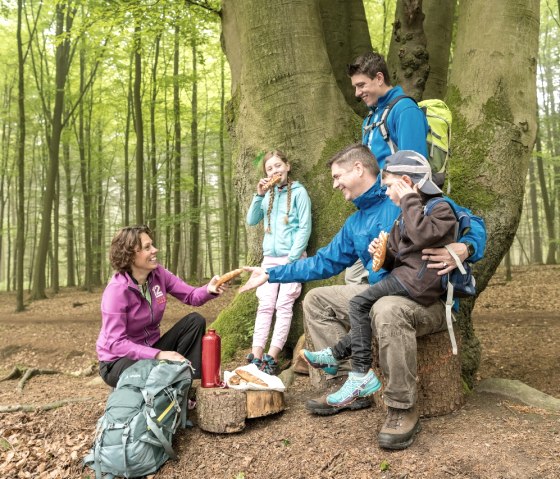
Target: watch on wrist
point(470, 249)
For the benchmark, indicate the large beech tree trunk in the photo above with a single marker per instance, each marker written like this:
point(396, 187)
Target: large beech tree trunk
point(284, 95)
point(492, 93)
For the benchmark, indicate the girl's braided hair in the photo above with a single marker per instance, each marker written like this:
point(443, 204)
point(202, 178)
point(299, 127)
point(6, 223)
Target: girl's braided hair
point(284, 158)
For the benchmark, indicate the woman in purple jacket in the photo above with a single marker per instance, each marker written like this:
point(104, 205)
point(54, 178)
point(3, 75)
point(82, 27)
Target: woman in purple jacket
point(133, 304)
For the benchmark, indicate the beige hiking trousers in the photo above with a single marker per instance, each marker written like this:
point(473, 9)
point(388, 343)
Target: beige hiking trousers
point(396, 321)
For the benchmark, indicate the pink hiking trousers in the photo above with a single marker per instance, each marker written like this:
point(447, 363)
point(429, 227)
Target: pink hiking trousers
point(279, 297)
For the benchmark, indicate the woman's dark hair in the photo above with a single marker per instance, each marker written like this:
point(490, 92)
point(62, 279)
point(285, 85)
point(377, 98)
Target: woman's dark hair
point(124, 246)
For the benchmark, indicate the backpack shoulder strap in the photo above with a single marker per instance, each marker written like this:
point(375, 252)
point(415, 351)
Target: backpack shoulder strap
point(382, 123)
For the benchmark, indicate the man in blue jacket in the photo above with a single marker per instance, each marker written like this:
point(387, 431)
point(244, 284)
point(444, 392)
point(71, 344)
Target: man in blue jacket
point(406, 123)
point(355, 173)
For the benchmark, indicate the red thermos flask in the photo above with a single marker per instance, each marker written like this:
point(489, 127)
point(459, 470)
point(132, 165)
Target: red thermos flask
point(211, 357)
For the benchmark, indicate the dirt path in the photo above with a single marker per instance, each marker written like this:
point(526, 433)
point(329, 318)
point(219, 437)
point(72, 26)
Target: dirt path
point(519, 327)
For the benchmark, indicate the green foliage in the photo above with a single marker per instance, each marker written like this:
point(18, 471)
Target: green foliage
point(235, 324)
point(4, 444)
point(384, 466)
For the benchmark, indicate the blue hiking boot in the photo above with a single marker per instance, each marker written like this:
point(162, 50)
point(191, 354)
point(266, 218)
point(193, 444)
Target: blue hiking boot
point(355, 387)
point(269, 364)
point(323, 359)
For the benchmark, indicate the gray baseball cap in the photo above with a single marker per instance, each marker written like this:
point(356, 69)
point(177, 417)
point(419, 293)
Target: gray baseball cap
point(414, 165)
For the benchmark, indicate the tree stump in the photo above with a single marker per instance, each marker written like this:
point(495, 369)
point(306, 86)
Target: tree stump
point(440, 388)
point(225, 410)
point(264, 403)
point(221, 410)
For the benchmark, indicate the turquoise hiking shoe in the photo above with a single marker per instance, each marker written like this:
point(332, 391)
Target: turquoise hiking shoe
point(355, 387)
point(323, 359)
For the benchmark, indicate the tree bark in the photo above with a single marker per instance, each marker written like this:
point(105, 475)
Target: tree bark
point(408, 55)
point(494, 129)
point(438, 27)
point(348, 37)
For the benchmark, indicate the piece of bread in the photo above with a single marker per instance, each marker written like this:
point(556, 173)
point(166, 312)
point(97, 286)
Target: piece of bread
point(229, 276)
point(250, 378)
point(381, 250)
point(271, 182)
point(235, 380)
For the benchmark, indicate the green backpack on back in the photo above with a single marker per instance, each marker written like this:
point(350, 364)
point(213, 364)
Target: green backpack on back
point(133, 437)
point(438, 140)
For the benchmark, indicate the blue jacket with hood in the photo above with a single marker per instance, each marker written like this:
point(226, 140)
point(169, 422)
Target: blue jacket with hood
point(285, 239)
point(406, 123)
point(376, 213)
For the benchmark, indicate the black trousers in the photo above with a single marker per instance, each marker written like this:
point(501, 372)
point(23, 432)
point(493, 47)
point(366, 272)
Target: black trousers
point(357, 343)
point(185, 337)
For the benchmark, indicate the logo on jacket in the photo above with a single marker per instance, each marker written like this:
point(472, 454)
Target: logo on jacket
point(158, 294)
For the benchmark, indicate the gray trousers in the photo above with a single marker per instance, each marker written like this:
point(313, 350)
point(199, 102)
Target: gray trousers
point(396, 322)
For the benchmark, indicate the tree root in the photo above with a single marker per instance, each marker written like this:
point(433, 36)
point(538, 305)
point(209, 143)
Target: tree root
point(44, 407)
point(13, 374)
point(29, 373)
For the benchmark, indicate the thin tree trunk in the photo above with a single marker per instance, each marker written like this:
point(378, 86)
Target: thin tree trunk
point(222, 179)
point(55, 281)
point(507, 263)
point(85, 180)
point(194, 194)
point(139, 124)
point(152, 220)
point(70, 266)
point(537, 254)
point(408, 55)
point(64, 18)
point(177, 154)
point(20, 216)
point(129, 108)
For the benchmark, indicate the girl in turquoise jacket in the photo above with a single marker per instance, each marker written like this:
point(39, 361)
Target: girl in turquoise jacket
point(285, 209)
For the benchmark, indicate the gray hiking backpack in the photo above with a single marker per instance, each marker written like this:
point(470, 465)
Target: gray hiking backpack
point(133, 437)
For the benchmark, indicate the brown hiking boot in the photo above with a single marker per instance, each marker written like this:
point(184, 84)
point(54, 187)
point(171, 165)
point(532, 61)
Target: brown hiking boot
point(399, 429)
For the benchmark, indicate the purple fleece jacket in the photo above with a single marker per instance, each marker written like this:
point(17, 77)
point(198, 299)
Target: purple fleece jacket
point(130, 326)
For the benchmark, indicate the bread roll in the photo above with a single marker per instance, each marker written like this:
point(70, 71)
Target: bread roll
point(381, 250)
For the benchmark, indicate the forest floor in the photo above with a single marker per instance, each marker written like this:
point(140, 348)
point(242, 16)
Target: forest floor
point(518, 324)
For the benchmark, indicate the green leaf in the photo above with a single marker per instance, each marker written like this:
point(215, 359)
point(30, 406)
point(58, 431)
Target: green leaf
point(258, 158)
point(384, 466)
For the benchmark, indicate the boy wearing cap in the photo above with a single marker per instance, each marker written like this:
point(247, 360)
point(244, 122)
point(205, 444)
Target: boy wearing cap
point(408, 177)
